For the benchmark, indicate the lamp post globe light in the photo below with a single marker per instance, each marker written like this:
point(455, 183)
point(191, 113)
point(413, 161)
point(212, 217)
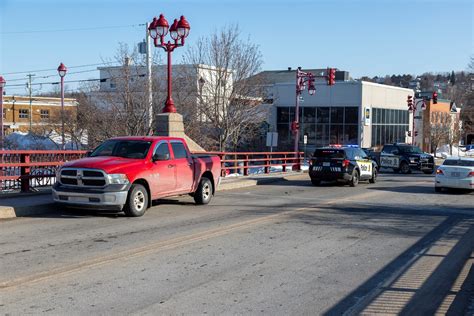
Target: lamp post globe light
point(178, 31)
point(2, 85)
point(62, 72)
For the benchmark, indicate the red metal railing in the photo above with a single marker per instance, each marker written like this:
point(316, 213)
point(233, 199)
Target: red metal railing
point(247, 163)
point(26, 169)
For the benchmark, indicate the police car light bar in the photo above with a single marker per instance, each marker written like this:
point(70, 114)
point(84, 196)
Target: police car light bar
point(353, 146)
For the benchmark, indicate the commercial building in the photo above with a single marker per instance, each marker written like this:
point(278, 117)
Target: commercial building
point(20, 113)
point(349, 112)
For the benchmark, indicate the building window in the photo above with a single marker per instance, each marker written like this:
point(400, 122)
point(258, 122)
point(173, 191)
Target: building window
point(388, 126)
point(113, 85)
point(23, 113)
point(322, 125)
point(44, 114)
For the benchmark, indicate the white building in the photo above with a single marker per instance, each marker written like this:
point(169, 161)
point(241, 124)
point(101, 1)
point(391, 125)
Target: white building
point(349, 112)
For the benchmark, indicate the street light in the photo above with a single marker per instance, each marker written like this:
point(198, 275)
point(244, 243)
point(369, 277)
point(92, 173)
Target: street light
point(62, 72)
point(2, 85)
point(301, 79)
point(179, 30)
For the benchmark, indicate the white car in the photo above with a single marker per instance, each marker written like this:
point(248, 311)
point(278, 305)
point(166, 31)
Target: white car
point(455, 173)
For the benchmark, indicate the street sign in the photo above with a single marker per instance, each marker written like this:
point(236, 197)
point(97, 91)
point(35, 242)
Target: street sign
point(305, 139)
point(272, 139)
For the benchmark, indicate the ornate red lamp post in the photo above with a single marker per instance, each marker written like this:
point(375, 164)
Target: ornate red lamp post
point(302, 79)
point(62, 72)
point(179, 30)
point(2, 85)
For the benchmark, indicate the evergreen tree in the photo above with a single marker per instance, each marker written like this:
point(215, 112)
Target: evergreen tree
point(453, 78)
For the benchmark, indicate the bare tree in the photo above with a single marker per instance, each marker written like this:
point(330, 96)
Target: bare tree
point(228, 102)
point(439, 129)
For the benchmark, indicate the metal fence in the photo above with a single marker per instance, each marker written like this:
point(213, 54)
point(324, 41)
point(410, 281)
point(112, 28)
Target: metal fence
point(249, 163)
point(27, 170)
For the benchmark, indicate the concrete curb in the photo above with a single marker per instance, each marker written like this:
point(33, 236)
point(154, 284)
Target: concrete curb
point(20, 211)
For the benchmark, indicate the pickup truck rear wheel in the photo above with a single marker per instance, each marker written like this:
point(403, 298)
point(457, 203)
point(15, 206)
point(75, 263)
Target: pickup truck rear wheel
point(137, 201)
point(203, 194)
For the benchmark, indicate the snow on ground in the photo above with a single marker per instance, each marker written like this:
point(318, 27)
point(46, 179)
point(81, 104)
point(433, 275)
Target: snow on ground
point(444, 152)
point(26, 141)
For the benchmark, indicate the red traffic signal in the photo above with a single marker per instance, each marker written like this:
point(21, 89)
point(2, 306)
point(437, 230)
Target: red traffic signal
point(295, 126)
point(410, 102)
point(331, 76)
point(435, 97)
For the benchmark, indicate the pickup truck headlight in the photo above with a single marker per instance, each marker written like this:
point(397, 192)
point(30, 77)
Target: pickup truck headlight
point(117, 178)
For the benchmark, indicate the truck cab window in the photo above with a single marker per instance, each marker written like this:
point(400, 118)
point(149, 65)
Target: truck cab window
point(179, 150)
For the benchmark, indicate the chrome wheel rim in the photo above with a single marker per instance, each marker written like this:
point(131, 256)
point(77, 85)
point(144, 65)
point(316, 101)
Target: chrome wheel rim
point(206, 191)
point(139, 200)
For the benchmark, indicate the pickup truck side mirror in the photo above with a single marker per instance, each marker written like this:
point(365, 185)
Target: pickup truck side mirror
point(395, 152)
point(161, 157)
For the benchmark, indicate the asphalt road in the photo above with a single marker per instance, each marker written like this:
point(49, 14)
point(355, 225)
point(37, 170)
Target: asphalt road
point(277, 249)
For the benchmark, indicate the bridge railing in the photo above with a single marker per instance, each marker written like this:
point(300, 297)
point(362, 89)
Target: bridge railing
point(28, 169)
point(249, 163)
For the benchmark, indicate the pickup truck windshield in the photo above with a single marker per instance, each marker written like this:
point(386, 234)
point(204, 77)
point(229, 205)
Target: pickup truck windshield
point(135, 149)
point(410, 150)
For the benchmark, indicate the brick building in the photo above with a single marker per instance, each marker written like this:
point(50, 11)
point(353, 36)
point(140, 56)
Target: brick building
point(42, 113)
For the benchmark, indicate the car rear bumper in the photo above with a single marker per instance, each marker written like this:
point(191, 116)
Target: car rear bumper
point(96, 199)
point(330, 176)
point(467, 183)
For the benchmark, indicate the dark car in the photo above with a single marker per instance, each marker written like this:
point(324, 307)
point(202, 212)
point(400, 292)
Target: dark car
point(404, 158)
point(342, 164)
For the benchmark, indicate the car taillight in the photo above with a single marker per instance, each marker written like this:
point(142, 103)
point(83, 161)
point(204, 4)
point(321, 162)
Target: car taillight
point(345, 163)
point(439, 171)
point(471, 174)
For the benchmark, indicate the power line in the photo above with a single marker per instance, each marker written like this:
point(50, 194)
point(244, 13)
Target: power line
point(43, 70)
point(70, 81)
point(55, 75)
point(73, 30)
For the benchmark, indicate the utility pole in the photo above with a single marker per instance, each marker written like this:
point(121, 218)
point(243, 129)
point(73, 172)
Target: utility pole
point(149, 120)
point(30, 90)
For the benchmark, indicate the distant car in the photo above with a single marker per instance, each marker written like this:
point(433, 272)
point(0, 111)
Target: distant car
point(404, 158)
point(342, 164)
point(455, 173)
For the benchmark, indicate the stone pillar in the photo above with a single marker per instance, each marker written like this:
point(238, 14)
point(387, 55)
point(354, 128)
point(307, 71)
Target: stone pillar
point(171, 124)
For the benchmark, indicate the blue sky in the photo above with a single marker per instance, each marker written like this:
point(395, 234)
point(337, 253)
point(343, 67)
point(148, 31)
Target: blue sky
point(364, 37)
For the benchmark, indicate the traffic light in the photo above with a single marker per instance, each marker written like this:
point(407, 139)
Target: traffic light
point(435, 97)
point(331, 76)
point(410, 103)
point(409, 133)
point(295, 126)
point(416, 133)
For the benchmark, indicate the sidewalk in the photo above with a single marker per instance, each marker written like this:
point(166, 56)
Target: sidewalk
point(17, 205)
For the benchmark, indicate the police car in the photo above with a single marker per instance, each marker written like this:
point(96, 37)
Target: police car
point(348, 164)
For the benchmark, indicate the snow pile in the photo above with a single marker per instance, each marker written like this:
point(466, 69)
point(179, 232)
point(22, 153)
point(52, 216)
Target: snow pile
point(443, 152)
point(50, 141)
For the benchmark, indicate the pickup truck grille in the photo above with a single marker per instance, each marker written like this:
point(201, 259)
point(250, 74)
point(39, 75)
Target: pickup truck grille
point(82, 177)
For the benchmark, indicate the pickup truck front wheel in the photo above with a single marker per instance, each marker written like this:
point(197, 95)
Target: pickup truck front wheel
point(203, 194)
point(137, 201)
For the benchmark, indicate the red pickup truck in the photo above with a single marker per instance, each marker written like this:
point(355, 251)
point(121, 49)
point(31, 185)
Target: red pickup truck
point(127, 173)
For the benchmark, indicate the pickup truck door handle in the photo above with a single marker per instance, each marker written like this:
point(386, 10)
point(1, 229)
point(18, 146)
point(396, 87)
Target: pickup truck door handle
point(171, 166)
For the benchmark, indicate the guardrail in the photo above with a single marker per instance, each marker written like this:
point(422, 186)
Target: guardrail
point(28, 169)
